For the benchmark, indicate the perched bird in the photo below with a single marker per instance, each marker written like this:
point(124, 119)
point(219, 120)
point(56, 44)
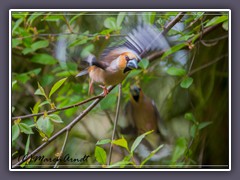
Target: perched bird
point(142, 115)
point(116, 62)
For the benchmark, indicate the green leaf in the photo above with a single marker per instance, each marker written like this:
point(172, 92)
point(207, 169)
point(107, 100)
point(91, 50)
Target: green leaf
point(34, 16)
point(100, 155)
point(180, 147)
point(78, 42)
point(17, 24)
point(190, 117)
point(45, 125)
point(75, 17)
point(138, 140)
point(44, 59)
point(186, 82)
point(144, 63)
point(173, 49)
point(40, 91)
point(15, 132)
point(16, 42)
point(108, 101)
point(133, 73)
point(39, 44)
point(22, 77)
point(122, 163)
point(53, 17)
point(27, 145)
point(217, 20)
point(55, 118)
point(110, 23)
point(193, 131)
point(149, 17)
point(13, 83)
point(103, 141)
point(204, 124)
point(225, 25)
point(27, 50)
point(173, 71)
point(150, 155)
point(120, 18)
point(25, 128)
point(13, 108)
point(47, 79)
point(56, 86)
point(121, 142)
point(87, 50)
point(35, 109)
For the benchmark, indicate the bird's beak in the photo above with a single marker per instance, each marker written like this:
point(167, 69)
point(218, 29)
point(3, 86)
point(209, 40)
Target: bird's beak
point(135, 90)
point(84, 72)
point(132, 64)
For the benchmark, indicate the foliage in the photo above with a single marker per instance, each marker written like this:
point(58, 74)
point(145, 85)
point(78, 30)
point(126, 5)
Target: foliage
point(188, 82)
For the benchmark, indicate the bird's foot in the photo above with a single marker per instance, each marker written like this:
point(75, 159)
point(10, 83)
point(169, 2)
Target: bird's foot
point(105, 90)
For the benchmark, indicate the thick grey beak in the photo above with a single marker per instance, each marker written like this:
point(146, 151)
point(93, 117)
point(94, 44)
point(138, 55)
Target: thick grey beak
point(135, 90)
point(132, 64)
point(84, 72)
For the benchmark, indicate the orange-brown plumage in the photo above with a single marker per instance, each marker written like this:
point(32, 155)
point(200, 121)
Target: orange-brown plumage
point(115, 63)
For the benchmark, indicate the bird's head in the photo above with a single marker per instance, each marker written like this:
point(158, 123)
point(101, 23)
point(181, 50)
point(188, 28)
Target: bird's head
point(136, 93)
point(128, 61)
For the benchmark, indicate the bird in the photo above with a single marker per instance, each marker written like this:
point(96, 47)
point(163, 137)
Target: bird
point(142, 116)
point(116, 62)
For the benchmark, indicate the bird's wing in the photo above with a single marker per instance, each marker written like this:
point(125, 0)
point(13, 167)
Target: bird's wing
point(146, 38)
point(141, 40)
point(161, 125)
point(130, 128)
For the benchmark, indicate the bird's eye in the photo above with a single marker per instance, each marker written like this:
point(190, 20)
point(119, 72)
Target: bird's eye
point(126, 57)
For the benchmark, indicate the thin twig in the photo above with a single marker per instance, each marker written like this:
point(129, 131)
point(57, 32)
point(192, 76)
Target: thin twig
point(66, 128)
point(158, 54)
point(207, 64)
point(68, 25)
point(67, 34)
point(58, 109)
point(115, 122)
point(173, 22)
point(63, 146)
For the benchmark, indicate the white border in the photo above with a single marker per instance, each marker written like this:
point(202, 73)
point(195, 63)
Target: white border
point(117, 10)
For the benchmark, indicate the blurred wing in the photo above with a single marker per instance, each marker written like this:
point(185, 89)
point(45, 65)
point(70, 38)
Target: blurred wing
point(146, 38)
point(130, 128)
point(141, 40)
point(160, 123)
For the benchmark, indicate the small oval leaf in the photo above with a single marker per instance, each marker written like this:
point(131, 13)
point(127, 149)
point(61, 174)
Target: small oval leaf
point(55, 118)
point(103, 141)
point(25, 128)
point(121, 142)
point(187, 82)
point(45, 125)
point(173, 71)
point(15, 132)
point(100, 155)
point(138, 140)
point(44, 59)
point(56, 86)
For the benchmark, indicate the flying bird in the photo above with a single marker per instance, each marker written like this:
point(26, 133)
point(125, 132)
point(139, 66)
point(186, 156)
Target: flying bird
point(116, 62)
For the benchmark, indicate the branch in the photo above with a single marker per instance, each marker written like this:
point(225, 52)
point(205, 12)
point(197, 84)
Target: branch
point(61, 152)
point(68, 34)
point(173, 22)
point(115, 122)
point(66, 128)
point(58, 109)
point(158, 54)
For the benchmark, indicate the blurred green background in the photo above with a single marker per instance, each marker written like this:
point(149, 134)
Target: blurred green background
point(50, 46)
